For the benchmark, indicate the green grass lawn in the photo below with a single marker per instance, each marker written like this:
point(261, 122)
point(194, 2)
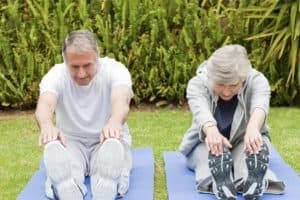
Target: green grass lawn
point(160, 129)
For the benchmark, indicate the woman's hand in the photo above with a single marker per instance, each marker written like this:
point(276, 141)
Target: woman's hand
point(215, 140)
point(253, 140)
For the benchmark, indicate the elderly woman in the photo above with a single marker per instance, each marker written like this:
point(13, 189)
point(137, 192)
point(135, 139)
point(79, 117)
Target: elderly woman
point(228, 143)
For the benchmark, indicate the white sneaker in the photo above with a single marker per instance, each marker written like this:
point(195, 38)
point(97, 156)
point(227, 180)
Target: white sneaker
point(123, 185)
point(124, 181)
point(110, 162)
point(58, 168)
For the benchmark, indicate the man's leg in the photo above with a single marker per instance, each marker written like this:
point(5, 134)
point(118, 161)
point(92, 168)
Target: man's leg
point(65, 172)
point(106, 168)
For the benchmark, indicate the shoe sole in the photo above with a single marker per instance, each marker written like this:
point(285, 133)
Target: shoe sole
point(124, 181)
point(110, 162)
point(111, 158)
point(257, 165)
point(220, 167)
point(56, 159)
point(58, 167)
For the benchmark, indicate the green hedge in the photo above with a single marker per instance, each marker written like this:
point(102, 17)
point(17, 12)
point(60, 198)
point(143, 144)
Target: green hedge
point(160, 41)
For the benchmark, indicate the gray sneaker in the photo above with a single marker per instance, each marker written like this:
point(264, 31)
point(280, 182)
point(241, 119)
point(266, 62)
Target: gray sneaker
point(257, 165)
point(221, 170)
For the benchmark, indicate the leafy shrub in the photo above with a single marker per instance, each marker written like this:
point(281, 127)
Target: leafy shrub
point(162, 42)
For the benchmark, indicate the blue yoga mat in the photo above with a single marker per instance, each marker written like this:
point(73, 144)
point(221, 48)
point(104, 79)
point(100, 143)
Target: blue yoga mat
point(181, 181)
point(141, 182)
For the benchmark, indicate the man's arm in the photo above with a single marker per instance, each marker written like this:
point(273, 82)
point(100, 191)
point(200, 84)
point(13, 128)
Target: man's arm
point(120, 100)
point(44, 115)
point(120, 103)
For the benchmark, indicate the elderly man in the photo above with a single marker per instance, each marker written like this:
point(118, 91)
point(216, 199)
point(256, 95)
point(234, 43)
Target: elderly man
point(90, 97)
point(228, 143)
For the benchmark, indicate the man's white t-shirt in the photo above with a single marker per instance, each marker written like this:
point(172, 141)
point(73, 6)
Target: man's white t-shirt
point(82, 111)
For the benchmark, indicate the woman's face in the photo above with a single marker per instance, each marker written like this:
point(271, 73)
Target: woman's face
point(227, 91)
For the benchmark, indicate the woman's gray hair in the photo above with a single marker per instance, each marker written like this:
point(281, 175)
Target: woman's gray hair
point(79, 41)
point(228, 64)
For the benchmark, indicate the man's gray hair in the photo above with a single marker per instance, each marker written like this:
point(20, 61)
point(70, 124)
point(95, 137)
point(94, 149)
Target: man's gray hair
point(79, 41)
point(229, 64)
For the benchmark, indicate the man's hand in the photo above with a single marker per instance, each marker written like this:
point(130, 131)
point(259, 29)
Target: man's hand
point(111, 130)
point(253, 140)
point(44, 114)
point(120, 100)
point(50, 133)
point(215, 141)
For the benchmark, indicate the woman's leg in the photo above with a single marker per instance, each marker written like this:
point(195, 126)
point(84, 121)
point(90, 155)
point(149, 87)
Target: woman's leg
point(198, 162)
point(250, 170)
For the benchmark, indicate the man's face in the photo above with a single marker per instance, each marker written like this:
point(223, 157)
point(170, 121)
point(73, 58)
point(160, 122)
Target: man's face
point(82, 66)
point(227, 91)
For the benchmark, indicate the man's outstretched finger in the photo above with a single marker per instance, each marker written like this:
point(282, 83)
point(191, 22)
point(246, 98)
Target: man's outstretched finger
point(101, 138)
point(62, 139)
